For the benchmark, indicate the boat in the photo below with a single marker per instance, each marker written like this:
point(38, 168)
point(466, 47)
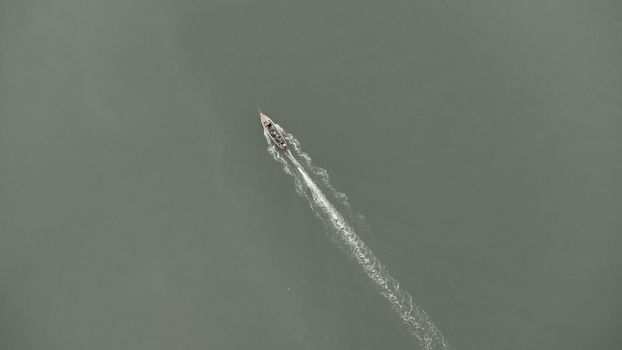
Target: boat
point(273, 131)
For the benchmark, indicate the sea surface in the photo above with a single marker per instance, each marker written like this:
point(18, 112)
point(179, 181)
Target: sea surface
point(456, 180)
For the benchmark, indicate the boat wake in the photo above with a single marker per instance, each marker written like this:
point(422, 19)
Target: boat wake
point(340, 231)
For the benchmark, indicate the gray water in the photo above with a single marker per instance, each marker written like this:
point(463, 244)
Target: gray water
point(479, 145)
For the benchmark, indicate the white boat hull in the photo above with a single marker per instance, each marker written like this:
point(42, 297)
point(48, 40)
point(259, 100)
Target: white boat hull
point(274, 131)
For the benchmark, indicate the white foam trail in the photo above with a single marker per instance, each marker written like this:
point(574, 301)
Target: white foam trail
point(278, 156)
point(415, 318)
point(322, 175)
